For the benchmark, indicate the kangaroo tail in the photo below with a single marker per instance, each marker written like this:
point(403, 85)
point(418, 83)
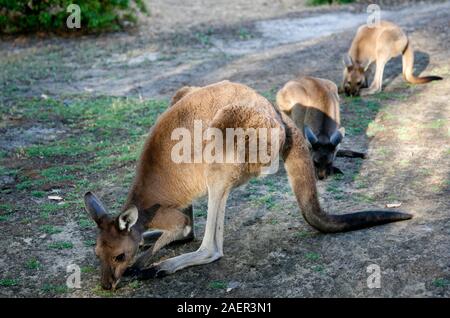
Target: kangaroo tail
point(408, 68)
point(301, 176)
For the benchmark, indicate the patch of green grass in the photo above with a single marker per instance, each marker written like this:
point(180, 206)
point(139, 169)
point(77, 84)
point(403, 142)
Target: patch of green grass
point(6, 208)
point(85, 223)
point(312, 256)
point(55, 289)
point(21, 70)
point(257, 181)
point(335, 188)
point(47, 209)
point(61, 245)
point(244, 34)
point(318, 268)
point(89, 243)
point(99, 291)
point(26, 220)
point(59, 173)
point(38, 194)
point(200, 213)
point(135, 284)
point(50, 229)
point(33, 264)
point(8, 282)
point(359, 181)
point(27, 184)
point(217, 284)
point(7, 171)
point(361, 113)
point(390, 96)
point(273, 221)
point(436, 124)
point(204, 38)
point(87, 269)
point(266, 200)
point(362, 197)
point(441, 282)
point(62, 148)
point(303, 234)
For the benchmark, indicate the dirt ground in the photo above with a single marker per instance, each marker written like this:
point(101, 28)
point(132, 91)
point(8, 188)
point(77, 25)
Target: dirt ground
point(75, 112)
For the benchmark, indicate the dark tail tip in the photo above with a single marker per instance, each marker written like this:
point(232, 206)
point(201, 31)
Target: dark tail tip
point(435, 78)
point(360, 220)
point(427, 79)
point(401, 216)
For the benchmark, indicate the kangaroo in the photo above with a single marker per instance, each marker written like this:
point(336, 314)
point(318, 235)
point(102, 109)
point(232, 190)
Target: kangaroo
point(313, 104)
point(378, 44)
point(162, 189)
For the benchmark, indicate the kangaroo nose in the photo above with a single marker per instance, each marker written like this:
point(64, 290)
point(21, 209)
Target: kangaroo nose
point(321, 174)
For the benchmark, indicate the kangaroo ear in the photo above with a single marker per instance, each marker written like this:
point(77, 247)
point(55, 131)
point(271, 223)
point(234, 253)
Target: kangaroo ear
point(336, 137)
point(128, 218)
point(95, 208)
point(310, 135)
point(347, 60)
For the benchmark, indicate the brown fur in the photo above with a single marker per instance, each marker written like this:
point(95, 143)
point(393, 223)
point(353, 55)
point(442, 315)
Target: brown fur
point(313, 103)
point(378, 45)
point(182, 92)
point(162, 188)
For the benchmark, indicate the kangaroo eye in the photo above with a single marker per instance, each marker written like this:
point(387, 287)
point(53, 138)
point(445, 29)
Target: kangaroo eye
point(120, 258)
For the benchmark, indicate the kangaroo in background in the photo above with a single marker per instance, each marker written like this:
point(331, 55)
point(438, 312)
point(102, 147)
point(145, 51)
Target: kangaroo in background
point(162, 189)
point(378, 44)
point(313, 105)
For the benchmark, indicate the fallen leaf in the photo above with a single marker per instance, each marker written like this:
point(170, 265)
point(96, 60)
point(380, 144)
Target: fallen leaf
point(55, 197)
point(393, 205)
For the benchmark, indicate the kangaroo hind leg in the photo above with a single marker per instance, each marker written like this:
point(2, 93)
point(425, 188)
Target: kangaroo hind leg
point(219, 185)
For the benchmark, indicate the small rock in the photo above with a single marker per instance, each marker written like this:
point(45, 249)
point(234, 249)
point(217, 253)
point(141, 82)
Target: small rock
point(28, 240)
point(393, 205)
point(5, 181)
point(232, 285)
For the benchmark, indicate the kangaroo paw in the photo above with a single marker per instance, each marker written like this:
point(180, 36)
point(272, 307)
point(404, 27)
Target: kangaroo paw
point(152, 272)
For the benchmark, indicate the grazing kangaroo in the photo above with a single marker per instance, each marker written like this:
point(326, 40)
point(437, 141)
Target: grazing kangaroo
point(163, 189)
point(313, 105)
point(378, 44)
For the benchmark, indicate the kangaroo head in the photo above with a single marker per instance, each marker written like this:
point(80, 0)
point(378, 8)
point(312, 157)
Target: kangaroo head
point(354, 76)
point(117, 240)
point(323, 150)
